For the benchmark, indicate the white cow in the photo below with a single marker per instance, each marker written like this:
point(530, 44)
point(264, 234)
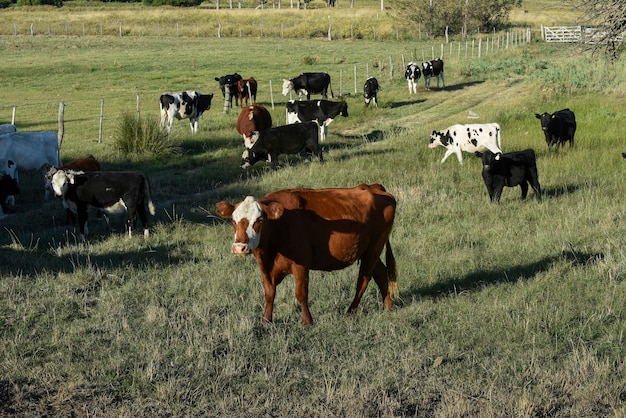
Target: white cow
point(473, 138)
point(7, 128)
point(186, 104)
point(412, 74)
point(31, 150)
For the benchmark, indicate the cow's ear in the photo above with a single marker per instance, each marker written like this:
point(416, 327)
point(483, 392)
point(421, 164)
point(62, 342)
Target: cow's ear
point(71, 177)
point(224, 209)
point(274, 211)
point(537, 115)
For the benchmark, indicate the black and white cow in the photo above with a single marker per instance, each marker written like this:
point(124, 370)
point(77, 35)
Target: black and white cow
point(512, 169)
point(412, 75)
point(229, 80)
point(321, 111)
point(473, 138)
point(286, 139)
point(110, 191)
point(370, 91)
point(183, 105)
point(558, 127)
point(431, 69)
point(308, 83)
point(8, 187)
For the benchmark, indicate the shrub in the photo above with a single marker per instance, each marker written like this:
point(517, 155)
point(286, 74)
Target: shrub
point(138, 135)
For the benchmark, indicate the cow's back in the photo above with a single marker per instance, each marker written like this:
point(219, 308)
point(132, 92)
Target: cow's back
point(30, 150)
point(253, 118)
point(329, 229)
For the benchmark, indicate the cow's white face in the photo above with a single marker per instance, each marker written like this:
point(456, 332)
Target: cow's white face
point(60, 182)
point(247, 220)
point(287, 86)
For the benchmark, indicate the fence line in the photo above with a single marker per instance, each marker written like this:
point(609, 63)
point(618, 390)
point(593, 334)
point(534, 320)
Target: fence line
point(578, 34)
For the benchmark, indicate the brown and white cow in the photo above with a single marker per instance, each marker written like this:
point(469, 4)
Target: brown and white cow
point(246, 89)
point(294, 231)
point(251, 121)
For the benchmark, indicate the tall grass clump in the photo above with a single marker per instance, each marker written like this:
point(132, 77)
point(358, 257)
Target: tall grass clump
point(136, 134)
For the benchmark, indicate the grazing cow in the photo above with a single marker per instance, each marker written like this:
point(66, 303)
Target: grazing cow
point(412, 74)
point(512, 169)
point(370, 91)
point(296, 230)
point(8, 187)
point(110, 191)
point(473, 138)
point(7, 128)
point(431, 69)
point(246, 89)
point(183, 105)
point(81, 164)
point(558, 127)
point(286, 139)
point(308, 83)
point(321, 111)
point(251, 121)
point(31, 151)
point(229, 80)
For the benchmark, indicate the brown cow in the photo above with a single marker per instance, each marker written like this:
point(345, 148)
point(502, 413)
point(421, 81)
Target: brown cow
point(251, 121)
point(296, 230)
point(246, 89)
point(81, 164)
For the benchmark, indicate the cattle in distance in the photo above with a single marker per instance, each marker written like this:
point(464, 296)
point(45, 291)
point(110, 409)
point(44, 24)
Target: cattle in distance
point(246, 90)
point(370, 91)
point(112, 192)
point(294, 231)
point(512, 169)
point(251, 121)
point(229, 81)
point(183, 105)
point(472, 138)
point(287, 139)
point(31, 151)
point(307, 84)
point(432, 69)
point(321, 111)
point(558, 127)
point(412, 75)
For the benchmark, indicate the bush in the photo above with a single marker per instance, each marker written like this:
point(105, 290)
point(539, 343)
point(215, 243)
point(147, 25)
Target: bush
point(138, 135)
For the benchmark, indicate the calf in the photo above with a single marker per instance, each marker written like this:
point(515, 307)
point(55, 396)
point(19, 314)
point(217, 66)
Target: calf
point(474, 138)
point(246, 89)
point(286, 139)
point(431, 69)
point(370, 91)
point(8, 187)
point(558, 127)
point(294, 231)
point(412, 74)
point(81, 164)
point(183, 105)
point(109, 191)
point(321, 111)
point(252, 120)
point(511, 169)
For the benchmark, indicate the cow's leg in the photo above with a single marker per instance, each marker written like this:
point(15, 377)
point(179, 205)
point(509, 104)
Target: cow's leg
point(447, 154)
point(524, 186)
point(269, 290)
point(81, 213)
point(380, 276)
point(143, 217)
point(534, 183)
point(301, 276)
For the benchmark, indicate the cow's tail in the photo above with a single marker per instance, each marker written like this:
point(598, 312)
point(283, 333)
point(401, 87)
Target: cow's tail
point(149, 192)
point(330, 86)
point(392, 272)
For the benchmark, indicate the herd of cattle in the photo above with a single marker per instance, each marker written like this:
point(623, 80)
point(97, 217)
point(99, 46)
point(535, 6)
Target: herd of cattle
point(290, 231)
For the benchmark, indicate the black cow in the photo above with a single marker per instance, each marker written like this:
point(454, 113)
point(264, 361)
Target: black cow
point(558, 127)
point(412, 74)
point(8, 187)
point(431, 69)
point(111, 191)
point(308, 83)
point(370, 91)
point(512, 169)
point(229, 80)
point(321, 111)
point(286, 139)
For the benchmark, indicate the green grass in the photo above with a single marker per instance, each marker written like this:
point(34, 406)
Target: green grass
point(514, 309)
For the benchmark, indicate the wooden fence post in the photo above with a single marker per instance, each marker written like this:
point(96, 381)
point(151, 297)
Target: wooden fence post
point(61, 123)
point(101, 120)
point(13, 115)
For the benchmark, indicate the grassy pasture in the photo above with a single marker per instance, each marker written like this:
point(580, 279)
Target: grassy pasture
point(508, 310)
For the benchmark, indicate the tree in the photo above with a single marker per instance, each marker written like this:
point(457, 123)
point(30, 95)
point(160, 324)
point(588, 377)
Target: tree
point(611, 15)
point(434, 16)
